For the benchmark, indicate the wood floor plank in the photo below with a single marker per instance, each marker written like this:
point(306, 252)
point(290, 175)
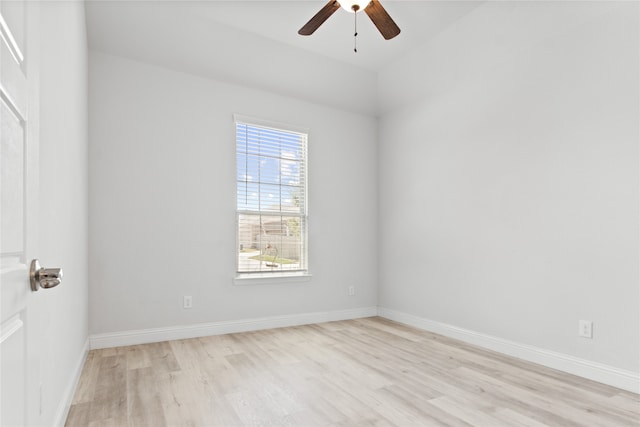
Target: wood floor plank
point(137, 357)
point(251, 409)
point(110, 395)
point(364, 372)
point(79, 415)
point(144, 406)
point(87, 382)
point(514, 418)
point(179, 399)
point(428, 414)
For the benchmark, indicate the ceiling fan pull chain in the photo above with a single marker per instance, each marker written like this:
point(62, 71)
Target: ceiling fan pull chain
point(355, 32)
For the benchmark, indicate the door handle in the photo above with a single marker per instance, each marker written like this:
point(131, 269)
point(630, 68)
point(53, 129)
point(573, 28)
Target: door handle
point(44, 277)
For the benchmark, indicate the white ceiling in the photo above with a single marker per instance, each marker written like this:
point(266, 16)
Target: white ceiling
point(280, 21)
point(255, 43)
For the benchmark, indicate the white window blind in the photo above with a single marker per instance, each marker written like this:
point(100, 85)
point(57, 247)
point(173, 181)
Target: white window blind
point(271, 199)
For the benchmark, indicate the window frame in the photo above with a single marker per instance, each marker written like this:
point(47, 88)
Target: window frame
point(276, 276)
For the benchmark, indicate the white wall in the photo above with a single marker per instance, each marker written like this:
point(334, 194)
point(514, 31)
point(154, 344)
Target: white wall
point(162, 201)
point(63, 225)
point(509, 181)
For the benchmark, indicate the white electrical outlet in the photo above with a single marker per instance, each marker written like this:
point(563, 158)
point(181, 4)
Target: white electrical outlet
point(187, 301)
point(351, 291)
point(585, 328)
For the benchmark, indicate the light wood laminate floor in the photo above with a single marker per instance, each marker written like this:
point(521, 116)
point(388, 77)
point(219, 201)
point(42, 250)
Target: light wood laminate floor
point(350, 373)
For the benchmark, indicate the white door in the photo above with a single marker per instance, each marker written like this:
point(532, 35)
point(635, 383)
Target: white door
point(20, 308)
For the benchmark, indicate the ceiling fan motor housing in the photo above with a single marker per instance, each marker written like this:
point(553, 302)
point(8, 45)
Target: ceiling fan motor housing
point(355, 5)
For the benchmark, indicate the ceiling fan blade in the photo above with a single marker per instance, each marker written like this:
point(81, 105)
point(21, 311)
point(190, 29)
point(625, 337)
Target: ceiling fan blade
point(382, 20)
point(319, 18)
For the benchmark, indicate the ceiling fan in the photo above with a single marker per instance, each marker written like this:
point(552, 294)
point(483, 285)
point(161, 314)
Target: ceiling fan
point(372, 8)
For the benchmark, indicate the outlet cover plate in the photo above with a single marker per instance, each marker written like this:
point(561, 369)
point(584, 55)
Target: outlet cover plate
point(187, 302)
point(585, 328)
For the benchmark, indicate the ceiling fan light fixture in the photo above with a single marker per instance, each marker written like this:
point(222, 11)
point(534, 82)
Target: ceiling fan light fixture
point(348, 5)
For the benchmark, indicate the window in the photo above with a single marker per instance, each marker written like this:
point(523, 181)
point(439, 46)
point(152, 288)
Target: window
point(271, 188)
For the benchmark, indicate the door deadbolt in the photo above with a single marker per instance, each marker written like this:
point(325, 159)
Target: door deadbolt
point(44, 277)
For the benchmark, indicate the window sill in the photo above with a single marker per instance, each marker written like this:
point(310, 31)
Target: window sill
point(271, 278)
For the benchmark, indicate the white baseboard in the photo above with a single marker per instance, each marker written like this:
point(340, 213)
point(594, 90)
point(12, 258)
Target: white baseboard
point(143, 336)
point(626, 380)
point(67, 396)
